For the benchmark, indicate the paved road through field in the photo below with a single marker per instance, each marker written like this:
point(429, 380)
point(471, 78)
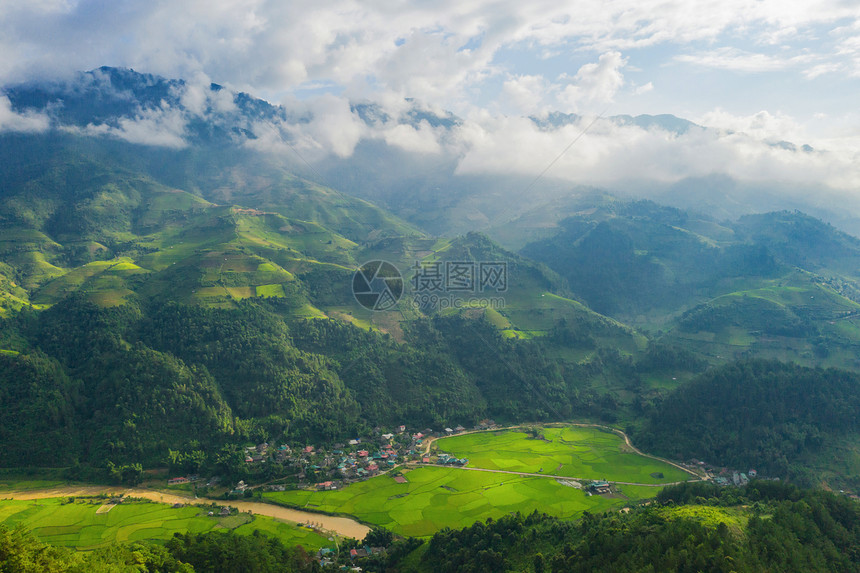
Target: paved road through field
point(616, 431)
point(541, 475)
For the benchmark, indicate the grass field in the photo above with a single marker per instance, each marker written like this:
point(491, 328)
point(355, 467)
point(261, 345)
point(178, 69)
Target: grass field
point(572, 451)
point(735, 518)
point(434, 498)
point(79, 524)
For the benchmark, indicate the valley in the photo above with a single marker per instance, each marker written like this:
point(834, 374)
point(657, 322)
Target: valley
point(211, 328)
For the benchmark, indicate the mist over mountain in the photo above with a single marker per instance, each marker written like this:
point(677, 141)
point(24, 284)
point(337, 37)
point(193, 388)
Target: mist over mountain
point(325, 256)
point(444, 173)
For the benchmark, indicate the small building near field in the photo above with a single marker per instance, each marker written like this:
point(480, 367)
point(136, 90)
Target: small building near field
point(600, 487)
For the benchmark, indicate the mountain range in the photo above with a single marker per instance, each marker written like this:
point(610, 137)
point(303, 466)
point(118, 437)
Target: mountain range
point(169, 247)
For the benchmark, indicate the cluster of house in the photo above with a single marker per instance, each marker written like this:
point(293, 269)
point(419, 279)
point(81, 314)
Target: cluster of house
point(357, 459)
point(448, 460)
point(725, 476)
point(365, 551)
point(260, 453)
point(240, 488)
point(738, 479)
point(223, 512)
point(326, 554)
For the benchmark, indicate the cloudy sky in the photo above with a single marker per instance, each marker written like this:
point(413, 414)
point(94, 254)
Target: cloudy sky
point(773, 69)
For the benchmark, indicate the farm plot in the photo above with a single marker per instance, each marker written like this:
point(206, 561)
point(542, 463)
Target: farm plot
point(433, 498)
point(81, 525)
point(587, 453)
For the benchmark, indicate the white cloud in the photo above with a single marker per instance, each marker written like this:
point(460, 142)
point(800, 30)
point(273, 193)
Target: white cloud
point(163, 127)
point(729, 58)
point(457, 54)
point(198, 98)
point(762, 125)
point(526, 93)
point(595, 83)
point(438, 50)
point(421, 139)
point(28, 121)
point(643, 89)
point(610, 153)
point(331, 127)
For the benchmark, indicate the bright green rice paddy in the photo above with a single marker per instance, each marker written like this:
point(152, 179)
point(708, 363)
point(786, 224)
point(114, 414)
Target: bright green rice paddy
point(78, 525)
point(435, 497)
point(587, 453)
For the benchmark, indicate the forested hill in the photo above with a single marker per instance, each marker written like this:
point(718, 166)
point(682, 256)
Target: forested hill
point(138, 317)
point(90, 385)
point(214, 552)
point(197, 298)
point(779, 285)
point(777, 418)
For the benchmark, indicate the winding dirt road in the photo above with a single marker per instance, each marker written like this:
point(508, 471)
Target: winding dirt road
point(343, 526)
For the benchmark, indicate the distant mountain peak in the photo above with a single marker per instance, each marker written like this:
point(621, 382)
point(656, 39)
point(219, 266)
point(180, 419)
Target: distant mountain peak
point(666, 122)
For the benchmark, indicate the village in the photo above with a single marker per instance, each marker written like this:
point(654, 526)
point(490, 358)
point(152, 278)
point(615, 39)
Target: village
point(361, 458)
point(723, 476)
point(309, 466)
point(284, 467)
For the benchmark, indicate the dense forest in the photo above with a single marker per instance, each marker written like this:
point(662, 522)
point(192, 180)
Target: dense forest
point(114, 387)
point(123, 385)
point(640, 257)
point(214, 552)
point(755, 414)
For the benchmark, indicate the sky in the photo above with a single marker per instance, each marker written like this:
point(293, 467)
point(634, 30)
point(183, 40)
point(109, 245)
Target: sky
point(774, 70)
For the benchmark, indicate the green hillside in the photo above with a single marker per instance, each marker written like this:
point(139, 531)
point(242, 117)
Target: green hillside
point(75, 219)
point(781, 419)
point(642, 263)
point(796, 317)
point(781, 285)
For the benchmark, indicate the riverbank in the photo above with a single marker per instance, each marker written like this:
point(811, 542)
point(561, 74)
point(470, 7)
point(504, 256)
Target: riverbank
point(342, 526)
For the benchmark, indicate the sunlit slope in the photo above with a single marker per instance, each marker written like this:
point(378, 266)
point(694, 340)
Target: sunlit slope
point(796, 318)
point(74, 218)
point(534, 301)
